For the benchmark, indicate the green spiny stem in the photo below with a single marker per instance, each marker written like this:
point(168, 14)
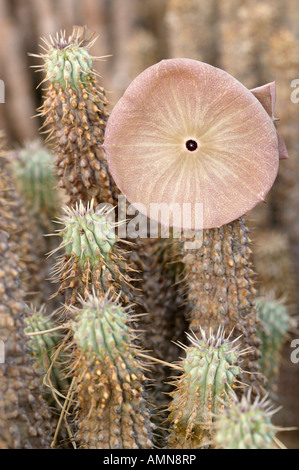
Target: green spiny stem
point(42, 347)
point(87, 234)
point(33, 167)
point(220, 290)
point(111, 411)
point(92, 259)
point(25, 418)
point(68, 65)
point(75, 113)
point(274, 325)
point(209, 371)
point(246, 425)
point(165, 323)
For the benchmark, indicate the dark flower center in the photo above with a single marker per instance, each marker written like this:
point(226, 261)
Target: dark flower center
point(191, 145)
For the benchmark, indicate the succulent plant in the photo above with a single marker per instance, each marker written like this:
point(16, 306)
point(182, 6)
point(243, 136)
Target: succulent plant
point(185, 135)
point(274, 324)
point(33, 167)
point(75, 111)
point(209, 373)
point(91, 259)
point(42, 348)
point(111, 409)
point(221, 290)
point(36, 202)
point(87, 234)
point(165, 324)
point(27, 236)
point(189, 144)
point(68, 64)
point(25, 419)
point(246, 425)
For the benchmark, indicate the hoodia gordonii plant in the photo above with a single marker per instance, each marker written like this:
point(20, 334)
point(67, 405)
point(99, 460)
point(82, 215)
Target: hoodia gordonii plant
point(75, 114)
point(29, 241)
point(91, 256)
point(33, 166)
point(43, 342)
point(246, 425)
point(111, 412)
point(220, 288)
point(274, 324)
point(209, 373)
point(164, 324)
point(25, 419)
point(32, 169)
point(205, 150)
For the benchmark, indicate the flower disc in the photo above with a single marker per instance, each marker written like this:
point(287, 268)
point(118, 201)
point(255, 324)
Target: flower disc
point(187, 136)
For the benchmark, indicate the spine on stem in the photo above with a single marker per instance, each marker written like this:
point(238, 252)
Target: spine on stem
point(75, 116)
point(209, 373)
point(111, 411)
point(220, 291)
point(25, 418)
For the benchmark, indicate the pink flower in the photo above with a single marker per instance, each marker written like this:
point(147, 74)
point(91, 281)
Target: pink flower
point(187, 132)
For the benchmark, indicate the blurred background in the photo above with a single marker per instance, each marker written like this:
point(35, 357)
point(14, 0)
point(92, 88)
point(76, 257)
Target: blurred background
point(257, 41)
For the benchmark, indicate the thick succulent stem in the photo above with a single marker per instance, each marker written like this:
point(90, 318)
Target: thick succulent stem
point(32, 170)
point(75, 112)
point(33, 167)
point(246, 425)
point(92, 267)
point(111, 409)
point(272, 330)
point(220, 290)
point(209, 372)
point(92, 259)
point(25, 419)
point(164, 324)
point(42, 344)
